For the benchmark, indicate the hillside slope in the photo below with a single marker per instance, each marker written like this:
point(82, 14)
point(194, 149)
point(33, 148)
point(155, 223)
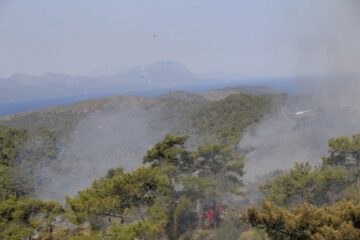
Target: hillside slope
point(72, 140)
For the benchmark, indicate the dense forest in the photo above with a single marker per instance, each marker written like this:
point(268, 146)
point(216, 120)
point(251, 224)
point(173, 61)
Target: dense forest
point(186, 188)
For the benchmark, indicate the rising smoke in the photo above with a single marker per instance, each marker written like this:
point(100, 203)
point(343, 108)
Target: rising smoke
point(284, 137)
point(103, 140)
point(327, 67)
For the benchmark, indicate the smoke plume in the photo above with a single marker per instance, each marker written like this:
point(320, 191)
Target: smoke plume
point(326, 104)
point(103, 140)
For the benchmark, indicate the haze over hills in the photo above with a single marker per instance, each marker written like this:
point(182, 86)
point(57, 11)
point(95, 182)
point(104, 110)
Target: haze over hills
point(20, 92)
point(51, 85)
point(117, 131)
point(255, 137)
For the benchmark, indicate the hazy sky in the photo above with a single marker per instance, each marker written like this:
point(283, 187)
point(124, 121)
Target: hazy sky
point(250, 37)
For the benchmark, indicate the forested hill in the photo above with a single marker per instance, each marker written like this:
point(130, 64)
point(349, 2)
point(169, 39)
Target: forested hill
point(56, 152)
point(170, 107)
point(70, 141)
point(166, 168)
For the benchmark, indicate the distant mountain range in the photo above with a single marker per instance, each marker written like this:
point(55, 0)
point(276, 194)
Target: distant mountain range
point(22, 92)
point(51, 85)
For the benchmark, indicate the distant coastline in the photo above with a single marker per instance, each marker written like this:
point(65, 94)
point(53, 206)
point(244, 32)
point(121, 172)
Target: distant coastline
point(14, 107)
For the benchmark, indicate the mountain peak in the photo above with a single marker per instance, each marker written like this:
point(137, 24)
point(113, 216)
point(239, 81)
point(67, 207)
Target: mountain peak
point(54, 75)
point(160, 74)
point(162, 67)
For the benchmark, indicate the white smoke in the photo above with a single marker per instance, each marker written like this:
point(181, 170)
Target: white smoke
point(103, 140)
point(327, 68)
point(285, 137)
